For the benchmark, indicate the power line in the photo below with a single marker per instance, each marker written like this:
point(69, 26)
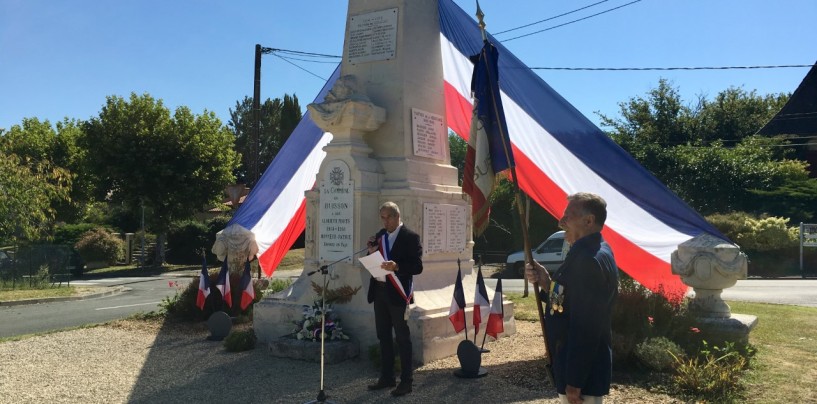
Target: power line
point(614, 69)
point(302, 68)
point(548, 19)
point(571, 22)
point(301, 53)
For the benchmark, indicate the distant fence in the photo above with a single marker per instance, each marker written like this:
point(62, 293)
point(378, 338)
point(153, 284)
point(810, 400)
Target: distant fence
point(32, 265)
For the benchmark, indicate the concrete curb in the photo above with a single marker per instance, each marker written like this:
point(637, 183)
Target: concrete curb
point(112, 290)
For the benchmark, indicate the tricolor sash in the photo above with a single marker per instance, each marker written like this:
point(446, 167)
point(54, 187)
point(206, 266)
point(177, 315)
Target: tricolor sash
point(385, 249)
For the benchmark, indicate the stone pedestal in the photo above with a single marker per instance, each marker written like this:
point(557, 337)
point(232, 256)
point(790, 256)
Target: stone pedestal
point(388, 103)
point(709, 265)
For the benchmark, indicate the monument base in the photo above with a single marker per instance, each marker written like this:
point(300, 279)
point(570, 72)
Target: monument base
point(733, 329)
point(431, 332)
point(334, 351)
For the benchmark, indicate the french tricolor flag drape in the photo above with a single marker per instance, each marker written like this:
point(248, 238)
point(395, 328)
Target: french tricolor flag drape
point(559, 152)
point(556, 149)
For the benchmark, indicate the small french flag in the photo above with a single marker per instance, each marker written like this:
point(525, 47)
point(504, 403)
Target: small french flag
point(223, 283)
point(204, 285)
point(247, 290)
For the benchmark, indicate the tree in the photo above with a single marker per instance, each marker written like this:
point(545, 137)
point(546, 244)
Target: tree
point(457, 148)
point(28, 190)
point(278, 118)
point(708, 154)
point(172, 165)
point(39, 143)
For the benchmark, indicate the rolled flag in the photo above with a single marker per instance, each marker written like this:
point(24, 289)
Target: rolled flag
point(457, 312)
point(247, 290)
point(481, 305)
point(223, 283)
point(495, 325)
point(204, 285)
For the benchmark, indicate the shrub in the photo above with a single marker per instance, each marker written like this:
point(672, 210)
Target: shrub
point(239, 341)
point(185, 242)
point(99, 245)
point(71, 233)
point(639, 314)
point(714, 374)
point(753, 233)
point(658, 353)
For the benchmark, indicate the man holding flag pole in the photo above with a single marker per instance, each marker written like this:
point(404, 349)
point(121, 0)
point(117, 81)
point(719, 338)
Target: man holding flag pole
point(489, 152)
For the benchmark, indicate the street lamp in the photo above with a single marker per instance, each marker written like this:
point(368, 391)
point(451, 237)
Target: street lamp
point(256, 107)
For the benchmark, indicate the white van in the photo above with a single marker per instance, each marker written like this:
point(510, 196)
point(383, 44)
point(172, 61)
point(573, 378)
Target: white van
point(550, 253)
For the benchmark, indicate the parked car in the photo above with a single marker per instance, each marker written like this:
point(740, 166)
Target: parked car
point(550, 253)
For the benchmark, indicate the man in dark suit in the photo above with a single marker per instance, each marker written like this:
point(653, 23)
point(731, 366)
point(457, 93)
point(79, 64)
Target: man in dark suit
point(392, 295)
point(579, 301)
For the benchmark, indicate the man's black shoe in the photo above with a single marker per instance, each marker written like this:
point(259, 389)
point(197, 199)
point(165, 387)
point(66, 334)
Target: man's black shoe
point(382, 384)
point(402, 389)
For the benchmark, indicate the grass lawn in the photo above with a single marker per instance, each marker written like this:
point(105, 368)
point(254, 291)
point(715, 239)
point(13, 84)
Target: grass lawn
point(786, 341)
point(21, 294)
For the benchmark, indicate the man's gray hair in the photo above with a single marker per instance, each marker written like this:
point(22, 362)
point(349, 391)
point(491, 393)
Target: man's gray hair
point(391, 207)
point(591, 204)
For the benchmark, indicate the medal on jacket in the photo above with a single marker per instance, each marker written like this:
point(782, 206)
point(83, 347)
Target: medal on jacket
point(556, 297)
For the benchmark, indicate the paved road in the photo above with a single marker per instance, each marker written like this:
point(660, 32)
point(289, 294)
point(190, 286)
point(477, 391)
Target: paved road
point(795, 291)
point(142, 294)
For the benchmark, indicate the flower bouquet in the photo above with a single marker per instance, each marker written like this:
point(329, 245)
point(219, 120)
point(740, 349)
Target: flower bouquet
point(309, 328)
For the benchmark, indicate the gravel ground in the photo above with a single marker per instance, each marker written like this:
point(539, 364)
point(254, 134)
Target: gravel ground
point(143, 362)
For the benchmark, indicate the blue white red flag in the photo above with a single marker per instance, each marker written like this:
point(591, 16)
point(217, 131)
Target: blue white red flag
point(557, 152)
point(247, 289)
point(275, 209)
point(204, 285)
point(481, 305)
point(495, 324)
point(223, 284)
point(489, 148)
point(457, 311)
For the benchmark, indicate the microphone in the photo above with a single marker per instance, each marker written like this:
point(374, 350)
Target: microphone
point(323, 268)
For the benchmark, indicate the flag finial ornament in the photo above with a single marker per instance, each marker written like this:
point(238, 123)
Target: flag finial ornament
point(480, 16)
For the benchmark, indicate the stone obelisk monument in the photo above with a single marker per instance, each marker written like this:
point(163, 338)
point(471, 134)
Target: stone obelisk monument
point(390, 143)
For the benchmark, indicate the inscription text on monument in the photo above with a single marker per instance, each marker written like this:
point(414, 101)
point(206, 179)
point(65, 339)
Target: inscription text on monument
point(372, 36)
point(336, 227)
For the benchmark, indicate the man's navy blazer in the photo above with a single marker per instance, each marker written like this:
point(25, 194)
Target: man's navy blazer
point(407, 252)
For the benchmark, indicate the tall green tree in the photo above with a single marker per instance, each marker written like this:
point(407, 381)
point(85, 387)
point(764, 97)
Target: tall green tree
point(278, 118)
point(39, 143)
point(28, 191)
point(173, 165)
point(707, 153)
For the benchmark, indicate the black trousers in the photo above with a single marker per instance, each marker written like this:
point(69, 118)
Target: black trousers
point(388, 316)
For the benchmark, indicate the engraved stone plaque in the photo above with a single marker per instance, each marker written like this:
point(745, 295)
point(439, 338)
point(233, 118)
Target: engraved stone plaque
point(372, 36)
point(336, 211)
point(428, 133)
point(444, 228)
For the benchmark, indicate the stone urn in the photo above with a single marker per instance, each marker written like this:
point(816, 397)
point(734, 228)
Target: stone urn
point(709, 264)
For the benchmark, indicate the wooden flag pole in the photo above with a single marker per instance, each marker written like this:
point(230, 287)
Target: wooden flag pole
point(520, 208)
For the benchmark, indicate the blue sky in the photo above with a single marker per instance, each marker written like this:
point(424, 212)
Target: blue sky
point(62, 58)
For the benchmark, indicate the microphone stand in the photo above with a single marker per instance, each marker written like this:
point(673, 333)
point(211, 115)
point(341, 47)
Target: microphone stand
point(324, 269)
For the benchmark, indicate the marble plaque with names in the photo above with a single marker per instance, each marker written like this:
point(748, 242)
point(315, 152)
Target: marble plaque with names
point(372, 36)
point(444, 228)
point(428, 133)
point(336, 213)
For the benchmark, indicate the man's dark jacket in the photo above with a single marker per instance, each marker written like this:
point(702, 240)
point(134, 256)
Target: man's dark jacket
point(580, 336)
point(407, 252)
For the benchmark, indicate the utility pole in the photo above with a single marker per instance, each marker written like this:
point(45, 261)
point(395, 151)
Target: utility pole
point(256, 107)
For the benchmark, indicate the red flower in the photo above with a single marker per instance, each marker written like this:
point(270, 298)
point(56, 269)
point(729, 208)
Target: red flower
point(694, 329)
point(650, 319)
